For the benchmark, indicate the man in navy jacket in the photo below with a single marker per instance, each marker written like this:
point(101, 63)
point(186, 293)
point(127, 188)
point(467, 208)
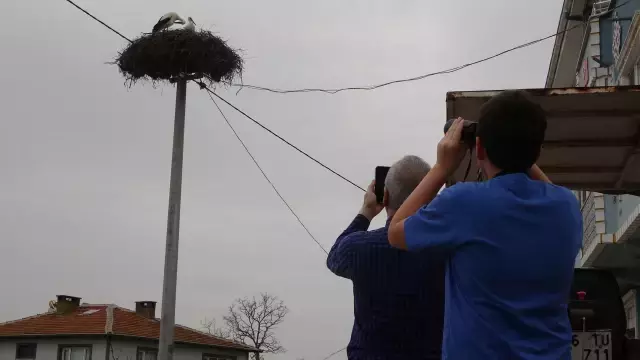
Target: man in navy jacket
point(398, 296)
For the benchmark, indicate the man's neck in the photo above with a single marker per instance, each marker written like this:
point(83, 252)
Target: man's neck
point(390, 213)
point(490, 171)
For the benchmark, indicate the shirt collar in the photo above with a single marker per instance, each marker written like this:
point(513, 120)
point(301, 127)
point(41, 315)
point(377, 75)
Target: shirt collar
point(502, 173)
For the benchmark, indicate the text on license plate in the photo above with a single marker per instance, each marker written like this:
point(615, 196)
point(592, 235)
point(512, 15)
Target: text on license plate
point(591, 345)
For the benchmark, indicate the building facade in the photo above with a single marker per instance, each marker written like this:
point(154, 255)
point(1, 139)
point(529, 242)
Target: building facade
point(599, 45)
point(95, 348)
point(74, 331)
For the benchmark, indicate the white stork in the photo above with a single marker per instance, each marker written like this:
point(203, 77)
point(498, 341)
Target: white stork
point(190, 25)
point(167, 20)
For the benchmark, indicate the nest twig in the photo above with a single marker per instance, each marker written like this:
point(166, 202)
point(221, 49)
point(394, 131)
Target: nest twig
point(174, 54)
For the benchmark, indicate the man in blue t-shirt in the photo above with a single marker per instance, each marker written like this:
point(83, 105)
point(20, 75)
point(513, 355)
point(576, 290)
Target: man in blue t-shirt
point(511, 241)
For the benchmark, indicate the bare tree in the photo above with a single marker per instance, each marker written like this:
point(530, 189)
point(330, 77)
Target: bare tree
point(253, 321)
point(211, 327)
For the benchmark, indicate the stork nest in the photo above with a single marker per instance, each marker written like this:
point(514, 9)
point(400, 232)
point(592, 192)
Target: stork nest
point(176, 54)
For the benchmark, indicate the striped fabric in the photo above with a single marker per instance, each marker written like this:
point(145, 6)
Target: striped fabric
point(398, 296)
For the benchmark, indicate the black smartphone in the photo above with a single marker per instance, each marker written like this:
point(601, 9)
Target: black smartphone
point(381, 176)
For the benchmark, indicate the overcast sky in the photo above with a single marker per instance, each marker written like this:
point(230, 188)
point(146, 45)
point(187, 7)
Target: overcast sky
point(85, 161)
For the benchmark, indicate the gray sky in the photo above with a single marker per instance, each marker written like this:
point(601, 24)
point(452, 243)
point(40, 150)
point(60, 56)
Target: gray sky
point(86, 161)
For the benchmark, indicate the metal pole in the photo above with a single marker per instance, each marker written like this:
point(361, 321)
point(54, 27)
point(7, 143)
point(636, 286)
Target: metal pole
point(168, 319)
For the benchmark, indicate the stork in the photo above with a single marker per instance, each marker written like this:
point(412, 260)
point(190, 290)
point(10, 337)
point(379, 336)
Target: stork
point(167, 20)
point(190, 25)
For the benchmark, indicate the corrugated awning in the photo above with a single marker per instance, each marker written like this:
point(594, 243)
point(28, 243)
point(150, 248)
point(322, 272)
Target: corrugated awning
point(592, 140)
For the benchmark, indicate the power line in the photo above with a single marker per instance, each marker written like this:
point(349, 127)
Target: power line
point(392, 82)
point(420, 77)
point(98, 20)
point(265, 175)
point(211, 92)
point(335, 353)
point(203, 86)
point(415, 78)
point(334, 91)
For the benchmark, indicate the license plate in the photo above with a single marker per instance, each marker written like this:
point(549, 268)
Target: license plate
point(591, 345)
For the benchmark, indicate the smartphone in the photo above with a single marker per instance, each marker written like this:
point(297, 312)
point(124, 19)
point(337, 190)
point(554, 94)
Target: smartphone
point(381, 176)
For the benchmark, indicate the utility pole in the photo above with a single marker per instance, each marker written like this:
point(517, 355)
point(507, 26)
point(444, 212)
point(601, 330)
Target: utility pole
point(168, 314)
point(177, 56)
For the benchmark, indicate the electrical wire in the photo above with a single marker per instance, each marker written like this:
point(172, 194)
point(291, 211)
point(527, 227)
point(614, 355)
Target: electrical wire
point(335, 353)
point(372, 87)
point(335, 91)
point(415, 78)
point(203, 86)
point(211, 92)
point(265, 175)
point(392, 82)
point(98, 20)
point(420, 77)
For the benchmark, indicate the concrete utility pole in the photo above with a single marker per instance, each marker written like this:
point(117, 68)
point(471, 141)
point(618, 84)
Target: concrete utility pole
point(168, 314)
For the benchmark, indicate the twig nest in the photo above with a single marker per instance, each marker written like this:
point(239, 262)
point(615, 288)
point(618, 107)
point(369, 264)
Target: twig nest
point(169, 55)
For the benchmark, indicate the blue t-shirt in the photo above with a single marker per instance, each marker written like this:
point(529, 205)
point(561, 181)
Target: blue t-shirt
point(512, 244)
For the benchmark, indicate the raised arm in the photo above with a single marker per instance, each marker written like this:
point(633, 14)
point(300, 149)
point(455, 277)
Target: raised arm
point(342, 256)
point(450, 153)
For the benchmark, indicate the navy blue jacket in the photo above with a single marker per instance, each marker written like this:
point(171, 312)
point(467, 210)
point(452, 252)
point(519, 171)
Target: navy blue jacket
point(398, 295)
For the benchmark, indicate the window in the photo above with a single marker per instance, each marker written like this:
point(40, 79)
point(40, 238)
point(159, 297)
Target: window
point(217, 357)
point(147, 354)
point(72, 352)
point(26, 351)
point(636, 74)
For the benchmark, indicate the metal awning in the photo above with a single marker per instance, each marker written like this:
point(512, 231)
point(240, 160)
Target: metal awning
point(592, 140)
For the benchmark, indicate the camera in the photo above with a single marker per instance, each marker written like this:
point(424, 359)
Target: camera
point(468, 131)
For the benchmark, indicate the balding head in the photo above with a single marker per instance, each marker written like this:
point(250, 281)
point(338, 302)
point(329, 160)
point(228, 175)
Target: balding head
point(403, 177)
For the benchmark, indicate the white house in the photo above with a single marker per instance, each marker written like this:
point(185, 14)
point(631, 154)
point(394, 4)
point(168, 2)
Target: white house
point(74, 331)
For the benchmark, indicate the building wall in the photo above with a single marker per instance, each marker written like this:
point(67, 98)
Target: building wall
point(127, 350)
point(121, 350)
point(618, 209)
point(598, 43)
point(627, 69)
point(612, 218)
point(47, 349)
point(606, 29)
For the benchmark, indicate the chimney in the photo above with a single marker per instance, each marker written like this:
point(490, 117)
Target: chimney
point(67, 304)
point(146, 309)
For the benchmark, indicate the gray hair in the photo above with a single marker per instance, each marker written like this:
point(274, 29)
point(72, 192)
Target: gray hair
point(403, 177)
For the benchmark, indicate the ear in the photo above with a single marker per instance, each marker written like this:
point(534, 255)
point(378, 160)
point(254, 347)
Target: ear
point(481, 154)
point(385, 199)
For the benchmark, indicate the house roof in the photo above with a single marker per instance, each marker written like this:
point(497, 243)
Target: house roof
point(90, 319)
